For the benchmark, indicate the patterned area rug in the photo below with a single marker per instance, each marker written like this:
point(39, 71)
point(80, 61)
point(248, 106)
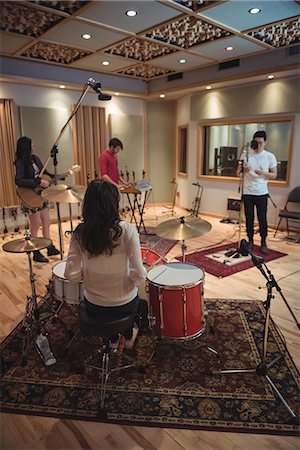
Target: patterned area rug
point(180, 387)
point(159, 245)
point(214, 260)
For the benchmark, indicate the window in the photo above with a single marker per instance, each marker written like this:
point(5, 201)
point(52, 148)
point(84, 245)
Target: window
point(221, 144)
point(182, 149)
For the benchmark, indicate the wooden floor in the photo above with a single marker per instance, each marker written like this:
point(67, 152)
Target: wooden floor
point(30, 432)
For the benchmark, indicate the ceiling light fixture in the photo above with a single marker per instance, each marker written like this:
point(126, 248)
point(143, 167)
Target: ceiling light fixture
point(162, 95)
point(254, 11)
point(117, 93)
point(270, 77)
point(229, 48)
point(208, 87)
point(182, 61)
point(131, 13)
point(62, 86)
point(105, 63)
point(86, 36)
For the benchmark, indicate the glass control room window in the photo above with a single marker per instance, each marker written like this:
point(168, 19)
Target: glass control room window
point(182, 150)
point(222, 145)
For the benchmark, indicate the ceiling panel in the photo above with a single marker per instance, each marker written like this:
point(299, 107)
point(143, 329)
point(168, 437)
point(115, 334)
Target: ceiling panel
point(150, 44)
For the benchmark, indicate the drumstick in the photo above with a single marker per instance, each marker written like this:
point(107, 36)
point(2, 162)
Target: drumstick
point(159, 274)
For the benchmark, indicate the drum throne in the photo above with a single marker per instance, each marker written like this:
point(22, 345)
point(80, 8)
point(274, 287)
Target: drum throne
point(97, 326)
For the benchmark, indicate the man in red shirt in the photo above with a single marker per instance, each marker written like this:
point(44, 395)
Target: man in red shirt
point(108, 164)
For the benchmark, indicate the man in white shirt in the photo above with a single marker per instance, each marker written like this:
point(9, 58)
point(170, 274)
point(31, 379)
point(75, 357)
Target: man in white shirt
point(258, 166)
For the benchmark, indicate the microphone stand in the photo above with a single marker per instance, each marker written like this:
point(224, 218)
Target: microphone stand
point(195, 210)
point(172, 210)
point(234, 253)
point(262, 368)
point(53, 155)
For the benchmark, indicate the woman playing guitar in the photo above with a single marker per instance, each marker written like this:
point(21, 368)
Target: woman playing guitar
point(28, 167)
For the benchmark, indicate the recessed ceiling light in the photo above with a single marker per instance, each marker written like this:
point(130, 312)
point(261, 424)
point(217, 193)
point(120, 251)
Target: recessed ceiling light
point(229, 48)
point(105, 63)
point(182, 61)
point(62, 86)
point(86, 36)
point(131, 13)
point(270, 77)
point(162, 95)
point(208, 87)
point(117, 93)
point(254, 10)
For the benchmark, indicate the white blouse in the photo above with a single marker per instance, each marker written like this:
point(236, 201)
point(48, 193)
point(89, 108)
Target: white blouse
point(109, 280)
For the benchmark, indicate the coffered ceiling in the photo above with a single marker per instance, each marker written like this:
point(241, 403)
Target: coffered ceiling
point(163, 38)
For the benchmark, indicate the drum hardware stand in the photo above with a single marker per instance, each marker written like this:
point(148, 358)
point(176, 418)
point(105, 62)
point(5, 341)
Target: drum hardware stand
point(172, 210)
point(197, 201)
point(70, 232)
point(263, 367)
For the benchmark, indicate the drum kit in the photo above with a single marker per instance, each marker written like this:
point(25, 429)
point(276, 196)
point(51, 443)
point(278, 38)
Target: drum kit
point(175, 288)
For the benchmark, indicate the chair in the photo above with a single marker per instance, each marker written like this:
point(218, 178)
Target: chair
point(94, 325)
point(290, 214)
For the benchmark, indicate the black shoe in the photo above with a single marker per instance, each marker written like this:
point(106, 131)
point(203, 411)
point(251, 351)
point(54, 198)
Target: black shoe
point(38, 257)
point(264, 249)
point(52, 251)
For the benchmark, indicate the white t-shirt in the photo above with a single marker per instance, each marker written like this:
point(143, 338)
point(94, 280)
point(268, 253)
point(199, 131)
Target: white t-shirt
point(255, 184)
point(109, 280)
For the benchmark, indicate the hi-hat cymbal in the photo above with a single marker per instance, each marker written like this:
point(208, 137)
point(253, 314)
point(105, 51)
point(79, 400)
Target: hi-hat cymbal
point(183, 228)
point(68, 195)
point(53, 190)
point(26, 245)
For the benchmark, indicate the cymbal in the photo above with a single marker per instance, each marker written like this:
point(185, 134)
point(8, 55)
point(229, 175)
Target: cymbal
point(25, 245)
point(53, 190)
point(79, 189)
point(183, 228)
point(67, 195)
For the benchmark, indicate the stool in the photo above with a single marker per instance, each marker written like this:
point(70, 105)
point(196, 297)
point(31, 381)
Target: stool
point(94, 325)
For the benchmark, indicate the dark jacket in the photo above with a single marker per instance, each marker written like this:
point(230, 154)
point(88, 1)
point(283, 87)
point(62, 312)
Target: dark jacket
point(25, 175)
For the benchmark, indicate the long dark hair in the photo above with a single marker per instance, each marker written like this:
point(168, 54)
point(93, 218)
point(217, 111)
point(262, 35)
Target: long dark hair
point(101, 221)
point(24, 149)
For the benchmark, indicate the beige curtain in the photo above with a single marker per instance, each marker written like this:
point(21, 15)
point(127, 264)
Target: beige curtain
point(89, 140)
point(8, 195)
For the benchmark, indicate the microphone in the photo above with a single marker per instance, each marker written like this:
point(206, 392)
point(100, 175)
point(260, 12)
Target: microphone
point(254, 145)
point(96, 86)
point(245, 251)
point(196, 184)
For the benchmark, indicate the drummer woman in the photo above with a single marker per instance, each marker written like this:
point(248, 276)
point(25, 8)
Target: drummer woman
point(28, 167)
point(105, 253)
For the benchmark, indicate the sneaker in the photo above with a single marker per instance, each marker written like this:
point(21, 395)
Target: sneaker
point(264, 249)
point(38, 257)
point(52, 251)
point(128, 344)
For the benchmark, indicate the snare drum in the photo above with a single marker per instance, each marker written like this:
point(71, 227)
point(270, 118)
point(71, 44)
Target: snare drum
point(69, 291)
point(176, 300)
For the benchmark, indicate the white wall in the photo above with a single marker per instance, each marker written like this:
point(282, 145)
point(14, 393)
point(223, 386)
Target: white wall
point(215, 192)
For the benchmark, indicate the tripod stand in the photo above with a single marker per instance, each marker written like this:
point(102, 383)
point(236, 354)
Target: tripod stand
point(197, 201)
point(262, 369)
point(172, 211)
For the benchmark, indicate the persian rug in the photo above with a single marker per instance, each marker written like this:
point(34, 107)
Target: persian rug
point(214, 260)
point(159, 245)
point(182, 386)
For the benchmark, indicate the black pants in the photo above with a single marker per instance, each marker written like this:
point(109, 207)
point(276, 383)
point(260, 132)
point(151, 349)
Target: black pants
point(261, 203)
point(115, 312)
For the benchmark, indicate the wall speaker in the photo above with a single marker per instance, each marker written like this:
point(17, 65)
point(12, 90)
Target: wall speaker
point(228, 160)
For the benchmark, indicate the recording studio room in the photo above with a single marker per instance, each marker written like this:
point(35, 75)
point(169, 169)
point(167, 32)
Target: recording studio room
point(150, 224)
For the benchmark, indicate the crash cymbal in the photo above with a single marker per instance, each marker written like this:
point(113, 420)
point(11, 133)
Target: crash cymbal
point(183, 228)
point(79, 189)
point(67, 195)
point(53, 190)
point(26, 245)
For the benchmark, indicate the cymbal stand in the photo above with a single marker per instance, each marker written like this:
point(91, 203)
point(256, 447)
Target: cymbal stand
point(183, 250)
point(53, 155)
point(70, 232)
point(263, 367)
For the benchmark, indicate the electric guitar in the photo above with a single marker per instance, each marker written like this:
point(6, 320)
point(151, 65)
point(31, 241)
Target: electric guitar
point(31, 198)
